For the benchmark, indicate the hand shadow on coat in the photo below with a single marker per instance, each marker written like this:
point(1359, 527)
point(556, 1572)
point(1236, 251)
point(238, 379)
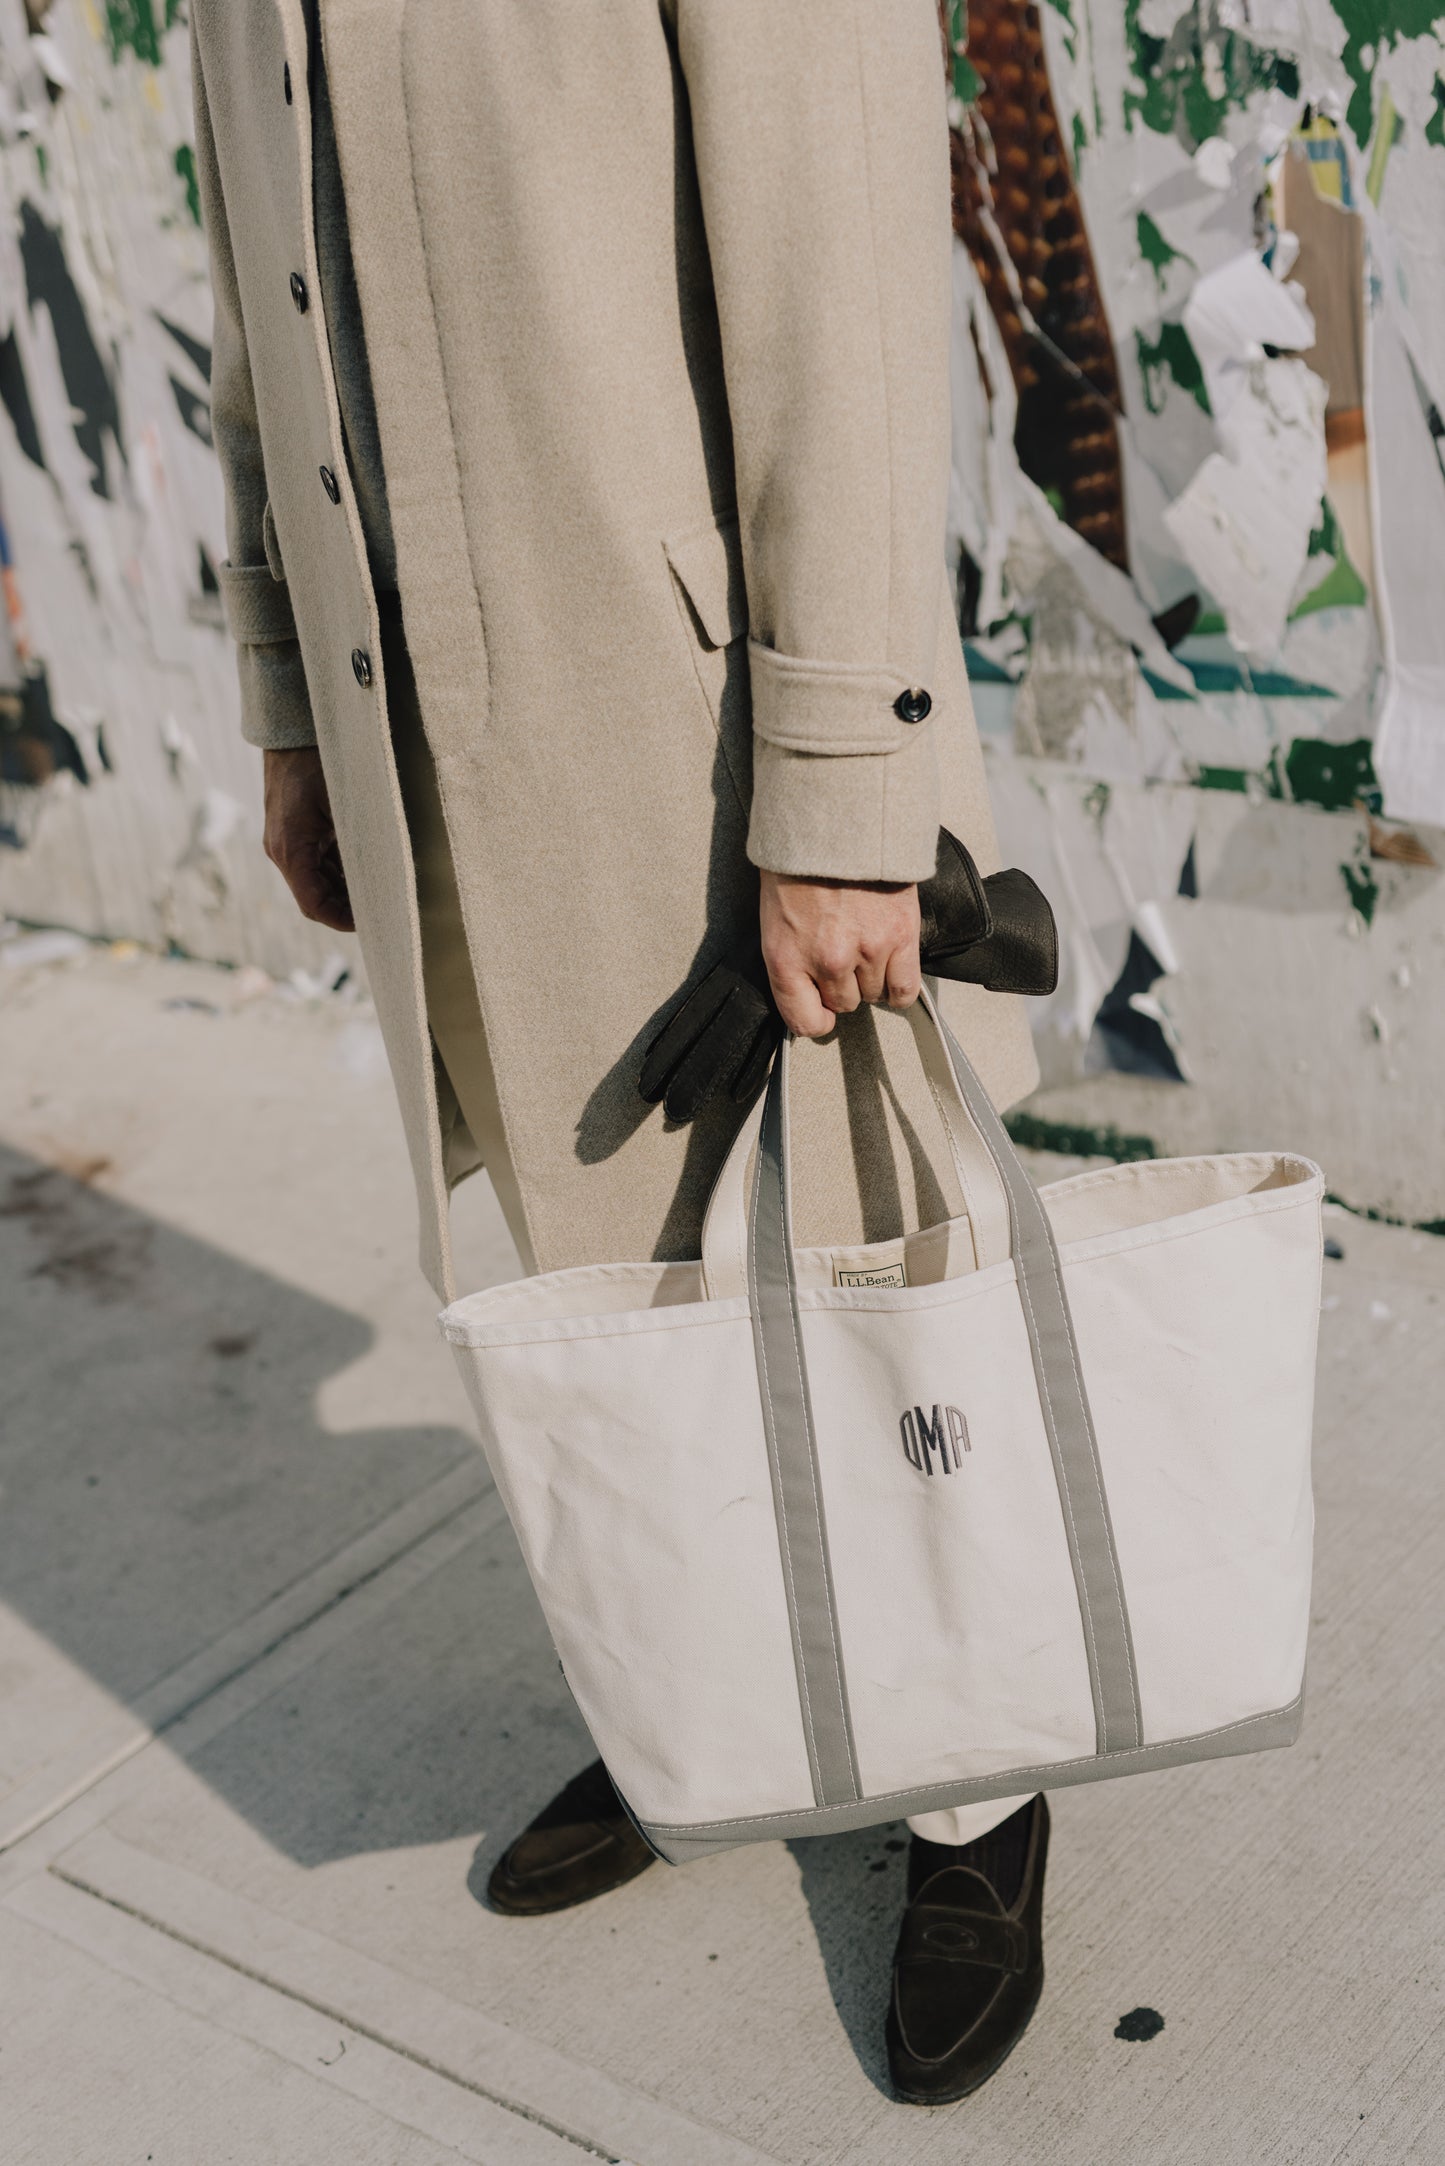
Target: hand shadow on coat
point(854, 1888)
point(616, 1109)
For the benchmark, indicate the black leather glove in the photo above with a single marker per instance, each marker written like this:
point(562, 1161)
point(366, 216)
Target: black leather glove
point(723, 1035)
point(998, 933)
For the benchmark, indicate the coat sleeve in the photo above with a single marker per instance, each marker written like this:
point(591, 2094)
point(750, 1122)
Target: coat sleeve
point(275, 705)
point(820, 134)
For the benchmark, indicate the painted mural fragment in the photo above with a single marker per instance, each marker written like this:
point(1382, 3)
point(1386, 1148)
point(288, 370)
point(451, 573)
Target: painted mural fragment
point(127, 803)
point(1201, 350)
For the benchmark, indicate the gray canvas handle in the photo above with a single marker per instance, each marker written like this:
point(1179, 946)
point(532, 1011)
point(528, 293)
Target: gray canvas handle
point(771, 1276)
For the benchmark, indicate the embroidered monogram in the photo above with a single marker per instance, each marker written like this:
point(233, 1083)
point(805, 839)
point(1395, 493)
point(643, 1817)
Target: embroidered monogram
point(946, 1433)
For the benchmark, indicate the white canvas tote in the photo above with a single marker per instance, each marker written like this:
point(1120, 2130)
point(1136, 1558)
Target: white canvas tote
point(833, 1536)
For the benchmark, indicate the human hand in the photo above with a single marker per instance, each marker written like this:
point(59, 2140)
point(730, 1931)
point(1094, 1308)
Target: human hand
point(300, 837)
point(829, 946)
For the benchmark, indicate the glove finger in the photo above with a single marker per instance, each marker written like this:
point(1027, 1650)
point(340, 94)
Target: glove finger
point(1021, 954)
point(682, 1030)
point(712, 1059)
point(953, 903)
point(752, 1074)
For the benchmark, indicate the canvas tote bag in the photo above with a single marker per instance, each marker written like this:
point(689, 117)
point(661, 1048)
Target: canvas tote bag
point(832, 1536)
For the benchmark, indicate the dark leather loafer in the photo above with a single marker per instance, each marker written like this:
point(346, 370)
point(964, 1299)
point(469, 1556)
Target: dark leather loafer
point(967, 1977)
point(579, 1846)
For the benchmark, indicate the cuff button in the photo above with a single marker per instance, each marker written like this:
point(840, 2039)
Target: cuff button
point(913, 705)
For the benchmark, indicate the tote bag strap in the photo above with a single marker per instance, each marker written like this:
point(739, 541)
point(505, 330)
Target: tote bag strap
point(1064, 1404)
point(981, 1191)
point(792, 1439)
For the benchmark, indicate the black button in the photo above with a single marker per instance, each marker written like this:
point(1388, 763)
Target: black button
point(286, 81)
point(331, 485)
point(913, 705)
point(299, 294)
point(361, 666)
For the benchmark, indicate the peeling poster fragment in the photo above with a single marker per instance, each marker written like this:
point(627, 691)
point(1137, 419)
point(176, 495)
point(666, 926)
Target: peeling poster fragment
point(88, 382)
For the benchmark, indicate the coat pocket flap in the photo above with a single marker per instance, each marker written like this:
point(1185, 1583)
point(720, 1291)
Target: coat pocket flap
point(707, 563)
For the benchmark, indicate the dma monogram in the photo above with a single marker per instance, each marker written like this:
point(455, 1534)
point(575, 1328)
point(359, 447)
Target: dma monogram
point(946, 1434)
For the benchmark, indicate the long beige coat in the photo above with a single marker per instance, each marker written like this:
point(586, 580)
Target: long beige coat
point(655, 294)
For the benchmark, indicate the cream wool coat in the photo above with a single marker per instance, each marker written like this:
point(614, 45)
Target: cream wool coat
point(655, 295)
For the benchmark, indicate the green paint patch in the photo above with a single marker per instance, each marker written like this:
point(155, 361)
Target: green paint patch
point(1435, 125)
point(1224, 679)
point(1189, 82)
point(1263, 683)
point(1224, 778)
point(1333, 777)
point(1371, 28)
point(1341, 588)
point(1071, 1141)
point(1325, 540)
point(982, 668)
point(1155, 250)
point(1081, 140)
point(1065, 11)
point(1163, 687)
point(965, 76)
point(185, 164)
point(1170, 358)
point(1364, 890)
point(967, 82)
point(138, 26)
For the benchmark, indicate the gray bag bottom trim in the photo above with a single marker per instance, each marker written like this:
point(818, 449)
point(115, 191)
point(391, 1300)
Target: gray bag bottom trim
point(1257, 1733)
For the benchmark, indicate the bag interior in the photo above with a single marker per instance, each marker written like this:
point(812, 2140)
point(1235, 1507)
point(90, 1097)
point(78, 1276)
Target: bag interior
point(1082, 1207)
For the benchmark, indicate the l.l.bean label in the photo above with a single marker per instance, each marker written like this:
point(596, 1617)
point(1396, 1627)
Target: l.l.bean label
point(890, 1274)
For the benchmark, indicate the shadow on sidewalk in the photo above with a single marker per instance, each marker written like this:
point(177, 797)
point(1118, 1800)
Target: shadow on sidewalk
point(164, 1471)
point(854, 1889)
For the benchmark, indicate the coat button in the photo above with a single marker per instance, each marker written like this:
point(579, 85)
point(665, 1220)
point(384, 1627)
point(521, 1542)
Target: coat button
point(299, 294)
point(286, 81)
point(330, 484)
point(361, 666)
point(913, 705)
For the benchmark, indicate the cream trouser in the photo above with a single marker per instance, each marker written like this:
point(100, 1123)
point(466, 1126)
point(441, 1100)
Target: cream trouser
point(456, 1026)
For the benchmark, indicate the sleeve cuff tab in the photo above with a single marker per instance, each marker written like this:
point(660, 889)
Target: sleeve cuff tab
point(833, 707)
point(257, 605)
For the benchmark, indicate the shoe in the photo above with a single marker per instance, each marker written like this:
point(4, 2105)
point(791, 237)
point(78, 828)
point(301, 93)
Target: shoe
point(579, 1846)
point(967, 1975)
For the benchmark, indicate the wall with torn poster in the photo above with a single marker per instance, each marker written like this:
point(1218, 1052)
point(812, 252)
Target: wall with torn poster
point(1198, 515)
point(128, 805)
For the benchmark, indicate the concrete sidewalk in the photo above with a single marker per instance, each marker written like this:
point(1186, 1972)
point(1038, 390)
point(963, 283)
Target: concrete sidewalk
point(274, 1692)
